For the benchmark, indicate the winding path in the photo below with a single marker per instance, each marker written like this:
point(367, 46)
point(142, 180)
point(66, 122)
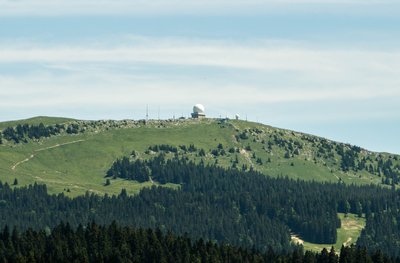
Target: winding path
point(21, 162)
point(42, 149)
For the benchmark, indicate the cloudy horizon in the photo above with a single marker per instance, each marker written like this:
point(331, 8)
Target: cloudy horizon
point(330, 68)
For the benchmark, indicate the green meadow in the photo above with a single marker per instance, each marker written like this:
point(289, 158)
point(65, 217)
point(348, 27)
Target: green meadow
point(75, 164)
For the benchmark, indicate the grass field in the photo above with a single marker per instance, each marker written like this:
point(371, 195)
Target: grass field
point(79, 162)
point(74, 164)
point(347, 234)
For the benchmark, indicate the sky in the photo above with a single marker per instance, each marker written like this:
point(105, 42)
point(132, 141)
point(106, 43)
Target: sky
point(325, 67)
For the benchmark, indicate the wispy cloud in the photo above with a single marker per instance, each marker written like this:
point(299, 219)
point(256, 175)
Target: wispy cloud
point(330, 61)
point(322, 60)
point(217, 73)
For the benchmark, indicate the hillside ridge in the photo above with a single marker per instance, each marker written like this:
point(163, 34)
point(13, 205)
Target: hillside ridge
point(40, 149)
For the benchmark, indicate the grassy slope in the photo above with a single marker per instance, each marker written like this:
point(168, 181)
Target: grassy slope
point(304, 166)
point(347, 234)
point(81, 163)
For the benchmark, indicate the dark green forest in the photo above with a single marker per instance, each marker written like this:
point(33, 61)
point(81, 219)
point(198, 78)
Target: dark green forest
point(383, 232)
point(113, 243)
point(245, 209)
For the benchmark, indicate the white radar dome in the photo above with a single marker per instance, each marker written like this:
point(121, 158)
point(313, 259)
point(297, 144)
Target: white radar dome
point(198, 108)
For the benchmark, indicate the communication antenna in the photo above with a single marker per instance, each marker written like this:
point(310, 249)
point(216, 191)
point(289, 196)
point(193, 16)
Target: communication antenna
point(158, 112)
point(147, 112)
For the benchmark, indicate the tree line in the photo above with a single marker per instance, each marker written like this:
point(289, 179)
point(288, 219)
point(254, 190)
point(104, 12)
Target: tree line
point(240, 208)
point(383, 232)
point(369, 201)
point(314, 223)
point(113, 243)
point(23, 132)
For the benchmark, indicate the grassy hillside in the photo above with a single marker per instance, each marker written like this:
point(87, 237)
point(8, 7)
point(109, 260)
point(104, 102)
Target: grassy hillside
point(76, 163)
point(348, 234)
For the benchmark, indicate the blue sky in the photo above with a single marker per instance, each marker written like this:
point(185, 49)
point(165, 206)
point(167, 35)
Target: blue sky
point(330, 68)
